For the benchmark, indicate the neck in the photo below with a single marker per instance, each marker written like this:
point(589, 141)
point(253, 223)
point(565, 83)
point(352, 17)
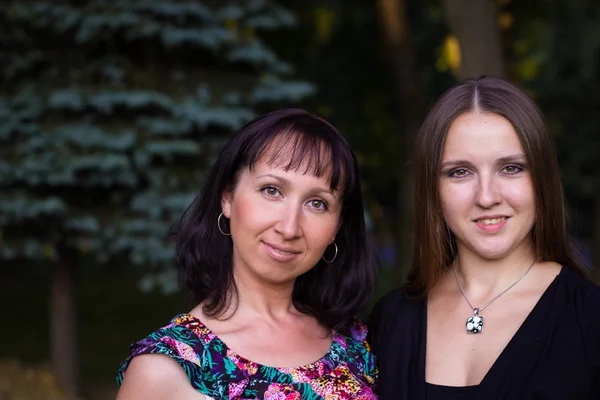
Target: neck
point(480, 276)
point(258, 298)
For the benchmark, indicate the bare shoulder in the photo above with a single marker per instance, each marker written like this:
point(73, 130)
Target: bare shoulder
point(156, 377)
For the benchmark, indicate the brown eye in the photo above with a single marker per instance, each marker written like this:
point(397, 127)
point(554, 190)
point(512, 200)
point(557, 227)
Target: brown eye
point(459, 173)
point(318, 205)
point(271, 191)
point(512, 169)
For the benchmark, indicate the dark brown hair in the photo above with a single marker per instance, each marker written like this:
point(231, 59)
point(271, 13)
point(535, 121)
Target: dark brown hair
point(433, 241)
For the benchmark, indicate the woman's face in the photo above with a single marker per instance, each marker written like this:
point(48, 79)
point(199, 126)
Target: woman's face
point(486, 188)
point(281, 221)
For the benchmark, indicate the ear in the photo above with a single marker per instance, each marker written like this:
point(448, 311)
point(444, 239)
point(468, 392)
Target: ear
point(226, 198)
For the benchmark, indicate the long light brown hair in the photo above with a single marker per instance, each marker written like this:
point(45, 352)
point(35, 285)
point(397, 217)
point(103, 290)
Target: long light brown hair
point(434, 244)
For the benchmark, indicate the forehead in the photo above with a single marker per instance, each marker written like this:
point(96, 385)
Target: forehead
point(481, 136)
point(297, 153)
point(298, 178)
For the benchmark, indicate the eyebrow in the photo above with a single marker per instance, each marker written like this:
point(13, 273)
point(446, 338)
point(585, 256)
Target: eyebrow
point(513, 158)
point(287, 183)
point(502, 160)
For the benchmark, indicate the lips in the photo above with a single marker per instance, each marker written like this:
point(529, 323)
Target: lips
point(283, 249)
point(491, 223)
point(281, 253)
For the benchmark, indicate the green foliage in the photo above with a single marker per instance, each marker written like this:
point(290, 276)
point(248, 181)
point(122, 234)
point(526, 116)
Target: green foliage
point(112, 112)
point(555, 56)
point(340, 49)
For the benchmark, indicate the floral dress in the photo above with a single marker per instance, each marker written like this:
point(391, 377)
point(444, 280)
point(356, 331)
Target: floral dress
point(347, 371)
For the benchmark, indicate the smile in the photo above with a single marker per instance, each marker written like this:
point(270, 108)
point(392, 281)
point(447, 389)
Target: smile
point(492, 224)
point(491, 221)
point(281, 254)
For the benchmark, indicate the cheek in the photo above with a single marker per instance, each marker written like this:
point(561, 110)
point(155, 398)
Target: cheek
point(320, 232)
point(247, 212)
point(521, 196)
point(456, 200)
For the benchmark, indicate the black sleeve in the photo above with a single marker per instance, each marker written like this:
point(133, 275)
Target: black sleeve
point(382, 318)
point(395, 337)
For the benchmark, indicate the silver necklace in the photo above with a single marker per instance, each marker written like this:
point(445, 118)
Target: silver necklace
point(475, 322)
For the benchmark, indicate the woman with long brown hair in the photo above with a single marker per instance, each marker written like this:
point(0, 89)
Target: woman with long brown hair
point(496, 306)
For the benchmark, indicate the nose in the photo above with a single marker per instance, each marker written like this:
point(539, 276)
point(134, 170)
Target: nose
point(289, 223)
point(488, 191)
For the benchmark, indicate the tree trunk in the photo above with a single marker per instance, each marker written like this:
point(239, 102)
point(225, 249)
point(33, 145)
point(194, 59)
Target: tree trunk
point(63, 322)
point(475, 25)
point(395, 32)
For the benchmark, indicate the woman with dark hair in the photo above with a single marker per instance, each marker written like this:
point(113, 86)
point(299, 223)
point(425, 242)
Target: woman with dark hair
point(496, 306)
point(275, 254)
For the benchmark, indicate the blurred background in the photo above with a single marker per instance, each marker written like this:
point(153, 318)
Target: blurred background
point(111, 112)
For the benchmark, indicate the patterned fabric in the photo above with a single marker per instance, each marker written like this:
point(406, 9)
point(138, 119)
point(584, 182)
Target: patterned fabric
point(347, 371)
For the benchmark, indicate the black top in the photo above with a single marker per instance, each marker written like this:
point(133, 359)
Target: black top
point(555, 354)
point(435, 392)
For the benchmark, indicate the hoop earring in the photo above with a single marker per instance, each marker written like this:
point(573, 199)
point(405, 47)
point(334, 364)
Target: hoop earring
point(219, 226)
point(334, 256)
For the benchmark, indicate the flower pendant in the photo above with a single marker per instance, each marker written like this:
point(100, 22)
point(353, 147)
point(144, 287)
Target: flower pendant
point(475, 322)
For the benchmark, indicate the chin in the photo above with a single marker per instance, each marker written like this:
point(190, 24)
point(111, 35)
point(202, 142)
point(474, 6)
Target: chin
point(491, 253)
point(277, 279)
